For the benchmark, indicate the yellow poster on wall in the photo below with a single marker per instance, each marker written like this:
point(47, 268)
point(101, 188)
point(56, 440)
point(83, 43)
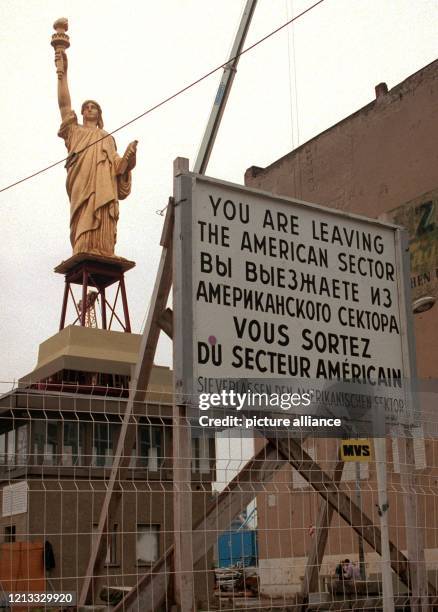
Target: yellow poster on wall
point(420, 218)
point(356, 449)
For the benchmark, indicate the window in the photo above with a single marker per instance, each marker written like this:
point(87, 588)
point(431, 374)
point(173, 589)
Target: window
point(109, 554)
point(2, 449)
point(14, 446)
point(11, 447)
point(419, 448)
point(111, 543)
point(10, 533)
point(272, 500)
point(104, 440)
point(201, 455)
point(395, 453)
point(15, 498)
point(149, 444)
point(22, 445)
point(195, 454)
point(148, 544)
point(112, 540)
point(45, 442)
point(73, 443)
point(51, 446)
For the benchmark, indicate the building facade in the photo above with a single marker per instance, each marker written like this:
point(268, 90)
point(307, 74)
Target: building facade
point(380, 162)
point(58, 436)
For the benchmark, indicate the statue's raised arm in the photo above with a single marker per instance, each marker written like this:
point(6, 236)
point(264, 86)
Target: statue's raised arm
point(61, 42)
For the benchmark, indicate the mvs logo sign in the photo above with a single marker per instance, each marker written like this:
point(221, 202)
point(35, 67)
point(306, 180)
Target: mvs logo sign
point(356, 450)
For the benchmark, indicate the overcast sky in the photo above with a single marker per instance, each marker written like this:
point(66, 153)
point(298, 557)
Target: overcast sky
point(129, 56)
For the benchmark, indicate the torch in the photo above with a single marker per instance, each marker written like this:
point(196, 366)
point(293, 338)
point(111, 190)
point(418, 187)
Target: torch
point(60, 42)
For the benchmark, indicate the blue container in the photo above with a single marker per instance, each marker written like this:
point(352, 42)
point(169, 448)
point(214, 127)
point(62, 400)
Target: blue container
point(238, 548)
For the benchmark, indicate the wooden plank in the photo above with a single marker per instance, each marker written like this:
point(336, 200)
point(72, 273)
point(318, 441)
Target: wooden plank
point(166, 322)
point(150, 591)
point(414, 526)
point(382, 495)
point(183, 584)
point(166, 233)
point(138, 385)
point(316, 555)
point(224, 89)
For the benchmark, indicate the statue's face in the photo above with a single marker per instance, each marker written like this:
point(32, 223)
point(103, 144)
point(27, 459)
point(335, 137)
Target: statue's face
point(90, 112)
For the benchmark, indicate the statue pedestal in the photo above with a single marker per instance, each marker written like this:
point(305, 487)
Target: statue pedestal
point(98, 272)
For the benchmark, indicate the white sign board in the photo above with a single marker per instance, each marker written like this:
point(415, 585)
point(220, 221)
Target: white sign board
point(15, 498)
point(268, 287)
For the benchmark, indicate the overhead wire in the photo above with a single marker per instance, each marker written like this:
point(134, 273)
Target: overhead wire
point(165, 101)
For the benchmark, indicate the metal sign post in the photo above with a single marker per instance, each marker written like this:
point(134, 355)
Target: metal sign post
point(382, 491)
point(224, 89)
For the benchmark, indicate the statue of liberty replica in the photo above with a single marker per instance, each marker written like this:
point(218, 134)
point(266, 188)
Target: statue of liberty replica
point(97, 177)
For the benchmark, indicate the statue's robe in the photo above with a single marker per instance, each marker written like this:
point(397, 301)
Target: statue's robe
point(94, 186)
